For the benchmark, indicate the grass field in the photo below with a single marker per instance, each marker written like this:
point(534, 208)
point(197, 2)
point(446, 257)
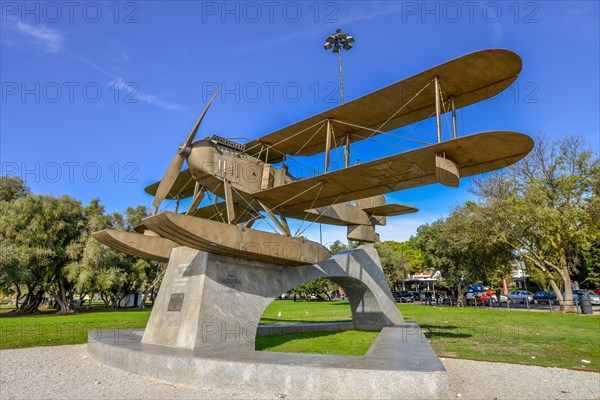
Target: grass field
point(536, 338)
point(48, 329)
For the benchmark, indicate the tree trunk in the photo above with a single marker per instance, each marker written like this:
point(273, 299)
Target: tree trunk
point(142, 304)
point(27, 298)
point(149, 292)
point(81, 299)
point(33, 301)
point(62, 300)
point(568, 304)
point(18, 297)
point(460, 301)
point(104, 299)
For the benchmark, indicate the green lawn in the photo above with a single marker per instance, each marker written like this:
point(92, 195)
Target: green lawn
point(346, 343)
point(535, 338)
point(297, 312)
point(48, 329)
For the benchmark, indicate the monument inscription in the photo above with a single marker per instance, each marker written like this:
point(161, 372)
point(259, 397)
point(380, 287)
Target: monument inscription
point(176, 302)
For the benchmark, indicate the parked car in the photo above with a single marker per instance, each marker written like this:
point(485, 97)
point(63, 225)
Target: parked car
point(474, 292)
point(414, 295)
point(520, 296)
point(597, 291)
point(477, 298)
point(594, 298)
point(544, 297)
point(403, 297)
point(503, 298)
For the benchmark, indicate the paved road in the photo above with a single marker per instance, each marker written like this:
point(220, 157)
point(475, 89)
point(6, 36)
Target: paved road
point(65, 372)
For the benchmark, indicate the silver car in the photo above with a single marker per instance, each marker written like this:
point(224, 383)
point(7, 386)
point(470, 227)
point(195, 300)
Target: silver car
point(520, 296)
point(594, 298)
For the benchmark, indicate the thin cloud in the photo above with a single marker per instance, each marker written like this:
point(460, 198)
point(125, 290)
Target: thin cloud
point(290, 37)
point(497, 34)
point(356, 14)
point(136, 94)
point(375, 10)
point(40, 37)
point(97, 67)
point(37, 36)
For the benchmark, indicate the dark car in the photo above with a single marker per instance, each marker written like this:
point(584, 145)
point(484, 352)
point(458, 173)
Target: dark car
point(544, 297)
point(403, 297)
point(413, 294)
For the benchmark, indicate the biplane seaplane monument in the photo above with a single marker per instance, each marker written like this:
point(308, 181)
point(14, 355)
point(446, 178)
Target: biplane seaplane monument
point(222, 273)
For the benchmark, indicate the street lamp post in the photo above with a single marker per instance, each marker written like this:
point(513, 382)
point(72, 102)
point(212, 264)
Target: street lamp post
point(338, 41)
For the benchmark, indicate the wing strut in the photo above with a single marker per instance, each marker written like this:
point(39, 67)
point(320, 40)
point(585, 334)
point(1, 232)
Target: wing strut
point(453, 115)
point(327, 146)
point(438, 123)
point(347, 151)
point(198, 196)
point(229, 202)
point(282, 225)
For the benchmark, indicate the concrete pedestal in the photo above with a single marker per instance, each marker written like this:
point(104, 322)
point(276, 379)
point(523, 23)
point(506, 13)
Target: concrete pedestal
point(399, 365)
point(208, 300)
point(204, 322)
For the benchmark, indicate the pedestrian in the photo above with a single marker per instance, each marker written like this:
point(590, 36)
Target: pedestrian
point(490, 296)
point(483, 299)
point(428, 297)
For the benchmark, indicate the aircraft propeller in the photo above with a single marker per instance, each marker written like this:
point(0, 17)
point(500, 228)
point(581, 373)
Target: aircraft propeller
point(177, 162)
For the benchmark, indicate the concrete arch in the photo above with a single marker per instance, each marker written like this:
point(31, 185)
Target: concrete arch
point(208, 300)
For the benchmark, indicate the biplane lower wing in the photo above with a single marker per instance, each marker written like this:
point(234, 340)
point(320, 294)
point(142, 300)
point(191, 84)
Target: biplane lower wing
point(218, 212)
point(182, 188)
point(390, 210)
point(473, 154)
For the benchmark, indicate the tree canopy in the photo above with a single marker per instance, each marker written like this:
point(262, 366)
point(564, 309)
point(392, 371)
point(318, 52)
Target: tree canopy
point(543, 210)
point(47, 250)
point(12, 188)
point(546, 208)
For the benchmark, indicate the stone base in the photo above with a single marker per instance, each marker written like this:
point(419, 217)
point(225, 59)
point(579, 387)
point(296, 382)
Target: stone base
point(399, 364)
point(209, 301)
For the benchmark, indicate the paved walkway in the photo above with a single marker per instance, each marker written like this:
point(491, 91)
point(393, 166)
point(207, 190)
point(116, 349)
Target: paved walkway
point(65, 372)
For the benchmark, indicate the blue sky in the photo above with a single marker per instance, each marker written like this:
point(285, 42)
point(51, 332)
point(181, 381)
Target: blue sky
point(96, 96)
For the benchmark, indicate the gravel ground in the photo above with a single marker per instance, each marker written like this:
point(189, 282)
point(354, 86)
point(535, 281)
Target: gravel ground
point(66, 372)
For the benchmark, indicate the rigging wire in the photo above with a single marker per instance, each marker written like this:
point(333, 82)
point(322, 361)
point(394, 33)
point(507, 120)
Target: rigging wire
point(311, 207)
point(253, 209)
point(320, 215)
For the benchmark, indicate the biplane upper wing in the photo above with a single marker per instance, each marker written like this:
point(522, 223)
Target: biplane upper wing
point(470, 79)
point(473, 154)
